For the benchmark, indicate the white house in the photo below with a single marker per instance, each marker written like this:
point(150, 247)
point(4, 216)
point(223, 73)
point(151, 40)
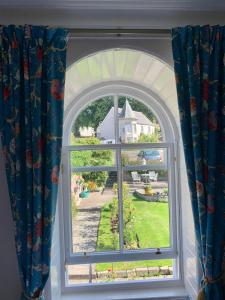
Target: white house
point(131, 125)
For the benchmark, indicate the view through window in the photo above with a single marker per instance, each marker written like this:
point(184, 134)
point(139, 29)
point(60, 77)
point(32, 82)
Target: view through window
point(119, 171)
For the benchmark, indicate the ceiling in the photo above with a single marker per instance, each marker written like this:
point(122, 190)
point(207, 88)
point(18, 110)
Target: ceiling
point(112, 13)
point(200, 5)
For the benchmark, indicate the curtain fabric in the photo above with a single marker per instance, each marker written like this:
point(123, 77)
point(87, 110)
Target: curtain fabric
point(199, 62)
point(32, 73)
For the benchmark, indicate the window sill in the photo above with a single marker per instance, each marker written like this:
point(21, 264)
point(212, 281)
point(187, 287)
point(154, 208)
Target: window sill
point(175, 293)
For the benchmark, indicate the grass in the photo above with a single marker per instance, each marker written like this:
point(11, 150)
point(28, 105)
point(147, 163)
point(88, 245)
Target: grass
point(151, 224)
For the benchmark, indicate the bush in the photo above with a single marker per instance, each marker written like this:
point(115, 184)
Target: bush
point(99, 178)
point(92, 186)
point(128, 218)
point(149, 138)
point(91, 158)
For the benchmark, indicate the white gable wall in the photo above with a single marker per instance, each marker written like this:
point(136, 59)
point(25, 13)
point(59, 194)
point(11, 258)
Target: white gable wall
point(106, 129)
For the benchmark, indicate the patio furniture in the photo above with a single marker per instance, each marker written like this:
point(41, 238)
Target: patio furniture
point(135, 177)
point(145, 177)
point(150, 176)
point(153, 176)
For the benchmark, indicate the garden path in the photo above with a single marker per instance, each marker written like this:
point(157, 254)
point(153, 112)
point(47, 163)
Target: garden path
point(86, 222)
point(85, 226)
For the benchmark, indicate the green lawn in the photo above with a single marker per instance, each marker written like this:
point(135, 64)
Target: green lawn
point(151, 224)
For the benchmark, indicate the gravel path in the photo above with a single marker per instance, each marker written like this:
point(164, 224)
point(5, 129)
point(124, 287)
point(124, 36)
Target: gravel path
point(86, 222)
point(85, 230)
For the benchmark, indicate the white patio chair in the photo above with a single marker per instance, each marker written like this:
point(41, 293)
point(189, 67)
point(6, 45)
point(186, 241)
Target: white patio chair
point(153, 176)
point(135, 176)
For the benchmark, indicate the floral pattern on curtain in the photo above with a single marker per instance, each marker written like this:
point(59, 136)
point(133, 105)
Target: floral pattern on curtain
point(32, 75)
point(199, 62)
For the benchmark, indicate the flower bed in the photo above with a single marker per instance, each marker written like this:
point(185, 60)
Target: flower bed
point(156, 197)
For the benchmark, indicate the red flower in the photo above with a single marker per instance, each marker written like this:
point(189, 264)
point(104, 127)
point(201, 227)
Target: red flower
point(26, 70)
point(205, 172)
point(212, 121)
point(218, 36)
point(29, 158)
point(205, 89)
point(199, 188)
point(57, 89)
point(14, 44)
point(210, 209)
point(193, 105)
point(40, 54)
point(37, 164)
point(17, 128)
point(196, 67)
point(55, 176)
point(38, 228)
point(41, 144)
point(109, 270)
point(6, 93)
point(29, 240)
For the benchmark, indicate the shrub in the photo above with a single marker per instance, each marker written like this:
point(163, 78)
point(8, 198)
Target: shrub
point(92, 186)
point(91, 158)
point(99, 178)
point(128, 217)
point(149, 138)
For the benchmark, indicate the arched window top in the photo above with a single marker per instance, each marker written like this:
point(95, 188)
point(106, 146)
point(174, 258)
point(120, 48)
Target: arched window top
point(117, 119)
point(120, 65)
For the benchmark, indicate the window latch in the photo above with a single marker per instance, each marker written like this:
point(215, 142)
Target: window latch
point(158, 251)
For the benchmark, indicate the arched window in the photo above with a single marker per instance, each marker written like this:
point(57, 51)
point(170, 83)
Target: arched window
point(119, 188)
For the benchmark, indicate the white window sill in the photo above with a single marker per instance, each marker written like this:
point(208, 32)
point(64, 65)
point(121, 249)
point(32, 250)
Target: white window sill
point(175, 293)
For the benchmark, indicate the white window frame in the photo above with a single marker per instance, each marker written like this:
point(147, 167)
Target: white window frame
point(174, 252)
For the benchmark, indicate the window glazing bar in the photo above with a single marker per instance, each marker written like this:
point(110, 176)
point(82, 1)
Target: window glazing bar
point(94, 169)
point(116, 256)
point(117, 146)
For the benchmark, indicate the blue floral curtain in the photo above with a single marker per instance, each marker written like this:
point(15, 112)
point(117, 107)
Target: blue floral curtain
point(199, 61)
point(32, 73)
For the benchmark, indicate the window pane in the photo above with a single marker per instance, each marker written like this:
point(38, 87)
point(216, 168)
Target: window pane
point(94, 211)
point(137, 123)
point(155, 158)
point(95, 123)
point(87, 158)
point(120, 271)
point(146, 207)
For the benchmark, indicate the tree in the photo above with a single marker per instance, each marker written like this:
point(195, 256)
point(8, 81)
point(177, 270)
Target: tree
point(93, 114)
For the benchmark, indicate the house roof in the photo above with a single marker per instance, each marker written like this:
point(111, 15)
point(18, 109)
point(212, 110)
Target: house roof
point(127, 111)
point(142, 119)
point(139, 116)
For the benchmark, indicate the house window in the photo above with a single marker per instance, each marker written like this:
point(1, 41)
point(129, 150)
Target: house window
point(119, 214)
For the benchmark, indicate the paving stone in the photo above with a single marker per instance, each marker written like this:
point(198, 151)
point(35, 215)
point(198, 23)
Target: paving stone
point(164, 271)
point(141, 272)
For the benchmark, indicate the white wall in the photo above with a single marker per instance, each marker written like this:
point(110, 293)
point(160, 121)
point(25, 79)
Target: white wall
point(9, 277)
point(106, 128)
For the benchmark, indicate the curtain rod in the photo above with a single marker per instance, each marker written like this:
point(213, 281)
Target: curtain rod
point(120, 33)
